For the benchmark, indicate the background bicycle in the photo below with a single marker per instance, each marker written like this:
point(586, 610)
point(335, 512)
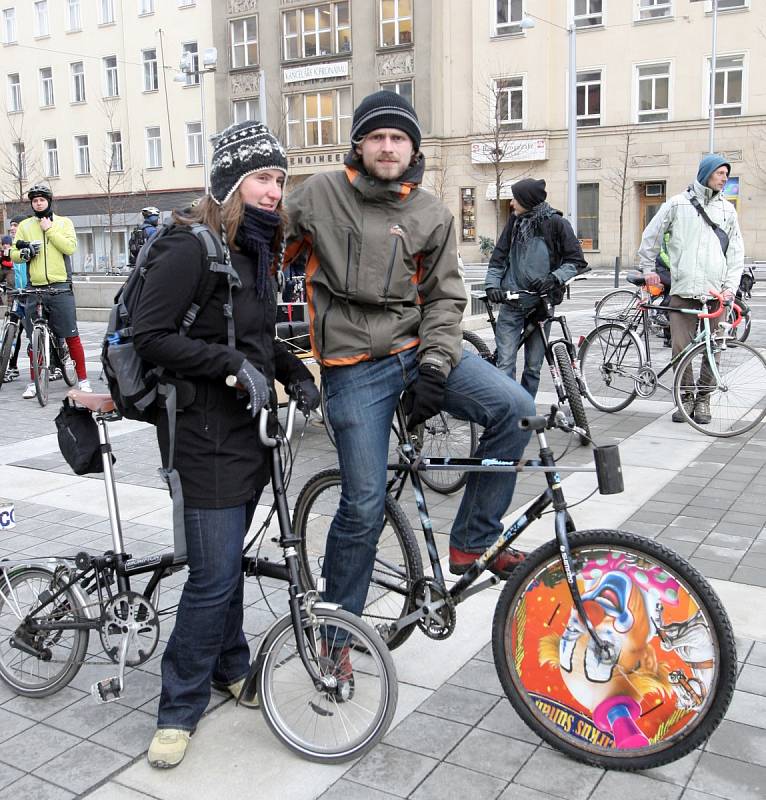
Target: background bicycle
point(9, 332)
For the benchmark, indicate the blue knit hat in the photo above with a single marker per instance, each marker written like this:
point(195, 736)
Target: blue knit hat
point(709, 165)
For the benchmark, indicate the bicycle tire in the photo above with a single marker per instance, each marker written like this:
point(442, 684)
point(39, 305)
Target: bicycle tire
point(398, 563)
point(445, 436)
point(6, 348)
point(572, 390)
point(610, 357)
point(742, 331)
point(41, 361)
point(323, 725)
point(616, 306)
point(740, 403)
point(593, 709)
point(68, 369)
point(473, 343)
point(61, 652)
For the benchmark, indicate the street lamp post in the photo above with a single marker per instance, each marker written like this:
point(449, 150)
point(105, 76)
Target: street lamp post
point(711, 137)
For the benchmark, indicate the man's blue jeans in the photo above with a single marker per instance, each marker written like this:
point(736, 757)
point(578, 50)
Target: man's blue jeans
point(207, 643)
point(361, 401)
point(510, 327)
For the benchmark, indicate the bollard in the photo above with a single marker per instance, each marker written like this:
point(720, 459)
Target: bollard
point(7, 515)
point(617, 265)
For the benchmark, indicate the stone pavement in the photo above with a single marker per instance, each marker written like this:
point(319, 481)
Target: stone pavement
point(455, 735)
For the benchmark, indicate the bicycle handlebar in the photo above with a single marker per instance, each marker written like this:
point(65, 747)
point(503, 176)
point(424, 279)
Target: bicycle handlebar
point(721, 305)
point(263, 416)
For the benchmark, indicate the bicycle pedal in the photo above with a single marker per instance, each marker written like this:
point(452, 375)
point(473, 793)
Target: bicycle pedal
point(107, 690)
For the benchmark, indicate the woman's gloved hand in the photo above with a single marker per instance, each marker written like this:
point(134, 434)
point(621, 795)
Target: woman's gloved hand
point(255, 384)
point(305, 394)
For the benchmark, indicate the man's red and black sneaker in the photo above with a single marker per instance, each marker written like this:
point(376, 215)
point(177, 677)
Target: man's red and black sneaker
point(502, 566)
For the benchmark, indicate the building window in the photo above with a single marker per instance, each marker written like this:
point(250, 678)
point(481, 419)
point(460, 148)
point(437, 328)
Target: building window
point(587, 215)
point(729, 77)
point(192, 76)
point(589, 98)
point(244, 42)
point(468, 214)
point(111, 82)
point(727, 5)
point(246, 110)
point(20, 160)
point(194, 152)
point(46, 87)
point(508, 98)
point(145, 7)
point(41, 18)
point(403, 88)
point(151, 78)
point(319, 118)
point(395, 22)
point(51, 158)
point(588, 13)
point(9, 25)
point(77, 71)
point(81, 155)
point(73, 15)
point(508, 14)
point(105, 12)
point(153, 148)
point(653, 9)
point(654, 93)
point(14, 92)
point(319, 30)
point(115, 151)
point(186, 3)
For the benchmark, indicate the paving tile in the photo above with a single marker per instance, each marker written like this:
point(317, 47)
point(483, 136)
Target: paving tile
point(479, 675)
point(693, 794)
point(38, 708)
point(448, 782)
point(634, 787)
point(343, 790)
point(116, 791)
point(712, 569)
point(518, 792)
point(747, 708)
point(558, 775)
point(458, 704)
point(752, 679)
point(758, 654)
point(683, 548)
point(83, 766)
point(35, 746)
point(723, 554)
point(736, 740)
point(8, 775)
point(391, 769)
point(11, 724)
point(130, 735)
point(751, 575)
point(504, 719)
point(730, 779)
point(427, 735)
point(717, 539)
point(31, 788)
point(491, 754)
point(86, 716)
point(677, 772)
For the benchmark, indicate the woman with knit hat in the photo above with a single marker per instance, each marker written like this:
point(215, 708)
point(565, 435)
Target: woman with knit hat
point(222, 465)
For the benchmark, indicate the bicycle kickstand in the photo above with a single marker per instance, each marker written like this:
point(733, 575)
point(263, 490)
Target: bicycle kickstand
point(110, 689)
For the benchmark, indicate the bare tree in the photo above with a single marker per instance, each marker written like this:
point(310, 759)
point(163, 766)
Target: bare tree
point(618, 182)
point(438, 178)
point(17, 161)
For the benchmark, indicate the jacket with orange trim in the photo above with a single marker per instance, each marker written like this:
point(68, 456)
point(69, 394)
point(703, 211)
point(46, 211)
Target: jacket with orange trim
point(382, 273)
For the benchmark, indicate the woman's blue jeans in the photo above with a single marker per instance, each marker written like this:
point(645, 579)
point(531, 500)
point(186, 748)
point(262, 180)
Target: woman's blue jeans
point(361, 401)
point(508, 332)
point(207, 643)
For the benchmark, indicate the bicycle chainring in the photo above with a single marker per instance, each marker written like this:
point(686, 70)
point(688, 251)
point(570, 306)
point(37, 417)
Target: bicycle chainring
point(435, 623)
point(130, 615)
point(646, 382)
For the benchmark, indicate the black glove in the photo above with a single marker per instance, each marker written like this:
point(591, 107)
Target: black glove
point(25, 254)
point(306, 395)
point(22, 245)
point(495, 295)
point(425, 396)
point(255, 384)
point(544, 285)
point(35, 247)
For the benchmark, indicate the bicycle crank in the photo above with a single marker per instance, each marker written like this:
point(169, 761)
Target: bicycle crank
point(646, 382)
point(438, 615)
point(130, 616)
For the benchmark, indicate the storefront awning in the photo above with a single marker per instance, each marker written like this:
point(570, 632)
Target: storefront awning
point(505, 191)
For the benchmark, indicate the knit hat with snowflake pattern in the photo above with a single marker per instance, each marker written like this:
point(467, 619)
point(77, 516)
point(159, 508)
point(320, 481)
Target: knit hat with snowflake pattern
point(239, 151)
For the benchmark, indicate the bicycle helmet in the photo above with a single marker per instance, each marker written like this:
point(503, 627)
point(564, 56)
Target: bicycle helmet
point(150, 211)
point(38, 190)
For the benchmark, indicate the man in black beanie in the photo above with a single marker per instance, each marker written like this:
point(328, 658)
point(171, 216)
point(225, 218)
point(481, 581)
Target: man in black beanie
point(536, 254)
point(385, 302)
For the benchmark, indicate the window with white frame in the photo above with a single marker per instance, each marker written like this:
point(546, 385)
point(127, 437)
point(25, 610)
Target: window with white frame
point(318, 30)
point(111, 81)
point(20, 160)
point(729, 78)
point(244, 42)
point(105, 12)
point(403, 88)
point(153, 148)
point(588, 13)
point(192, 77)
point(114, 140)
point(653, 92)
point(41, 18)
point(14, 92)
point(653, 9)
point(77, 71)
point(194, 151)
point(145, 7)
point(81, 155)
point(589, 98)
point(727, 5)
point(508, 14)
point(151, 75)
point(51, 151)
point(246, 110)
point(508, 102)
point(46, 87)
point(319, 118)
point(9, 25)
point(186, 3)
point(73, 21)
point(396, 22)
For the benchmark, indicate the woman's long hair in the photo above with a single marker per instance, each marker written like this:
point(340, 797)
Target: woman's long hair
point(227, 218)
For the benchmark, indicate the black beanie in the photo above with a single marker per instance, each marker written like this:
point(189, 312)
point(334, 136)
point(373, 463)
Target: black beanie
point(385, 110)
point(239, 151)
point(529, 192)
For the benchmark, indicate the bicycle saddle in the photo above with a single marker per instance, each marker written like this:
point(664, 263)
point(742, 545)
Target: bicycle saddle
point(635, 277)
point(100, 403)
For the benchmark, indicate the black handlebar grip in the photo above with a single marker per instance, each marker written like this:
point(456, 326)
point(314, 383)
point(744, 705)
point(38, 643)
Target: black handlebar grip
point(533, 423)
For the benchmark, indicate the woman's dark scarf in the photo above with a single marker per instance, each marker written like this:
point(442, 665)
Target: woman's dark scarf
point(255, 238)
point(528, 225)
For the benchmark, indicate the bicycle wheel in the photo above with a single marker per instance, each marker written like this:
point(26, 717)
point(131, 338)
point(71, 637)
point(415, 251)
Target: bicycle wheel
point(328, 725)
point(67, 365)
point(574, 398)
point(58, 654)
point(673, 667)
point(617, 306)
point(738, 400)
point(445, 436)
point(6, 348)
point(742, 331)
point(41, 363)
point(610, 358)
point(473, 343)
point(398, 564)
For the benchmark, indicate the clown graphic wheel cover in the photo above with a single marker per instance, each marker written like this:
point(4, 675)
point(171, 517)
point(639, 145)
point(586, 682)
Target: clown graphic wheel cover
point(672, 668)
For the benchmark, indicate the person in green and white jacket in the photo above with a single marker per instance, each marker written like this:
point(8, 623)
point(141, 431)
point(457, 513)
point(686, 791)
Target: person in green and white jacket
point(697, 261)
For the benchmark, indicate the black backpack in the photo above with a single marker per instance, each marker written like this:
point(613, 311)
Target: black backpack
point(135, 243)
